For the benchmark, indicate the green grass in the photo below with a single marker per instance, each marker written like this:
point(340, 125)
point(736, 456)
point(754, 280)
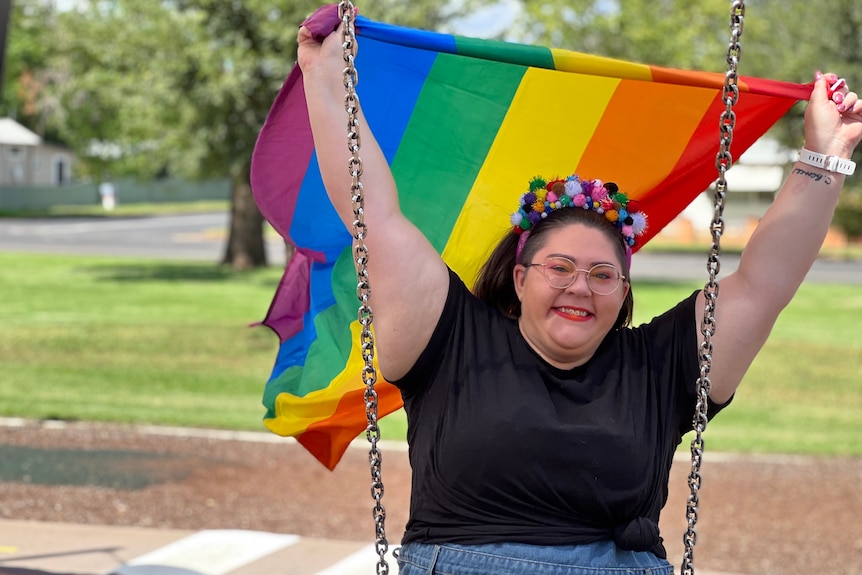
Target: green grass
point(134, 341)
point(850, 252)
point(141, 341)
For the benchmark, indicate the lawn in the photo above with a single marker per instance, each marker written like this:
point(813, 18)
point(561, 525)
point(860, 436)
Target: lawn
point(134, 341)
point(170, 343)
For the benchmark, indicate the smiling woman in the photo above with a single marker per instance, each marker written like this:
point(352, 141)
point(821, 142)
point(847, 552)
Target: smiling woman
point(542, 426)
point(578, 317)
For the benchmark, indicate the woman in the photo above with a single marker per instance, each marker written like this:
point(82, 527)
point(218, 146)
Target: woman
point(541, 427)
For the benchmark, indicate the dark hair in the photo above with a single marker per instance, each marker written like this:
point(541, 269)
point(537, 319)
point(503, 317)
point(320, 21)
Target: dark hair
point(496, 285)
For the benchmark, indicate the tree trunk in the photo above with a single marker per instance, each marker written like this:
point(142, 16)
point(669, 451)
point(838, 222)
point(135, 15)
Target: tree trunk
point(245, 245)
point(5, 14)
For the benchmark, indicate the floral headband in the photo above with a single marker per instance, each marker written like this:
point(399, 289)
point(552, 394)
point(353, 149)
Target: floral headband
point(546, 197)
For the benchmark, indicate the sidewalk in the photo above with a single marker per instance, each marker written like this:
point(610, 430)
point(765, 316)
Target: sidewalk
point(107, 499)
point(38, 548)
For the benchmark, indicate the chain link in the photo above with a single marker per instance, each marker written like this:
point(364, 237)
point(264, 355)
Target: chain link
point(723, 162)
point(346, 12)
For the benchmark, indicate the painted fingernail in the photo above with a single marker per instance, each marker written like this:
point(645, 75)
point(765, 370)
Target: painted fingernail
point(838, 97)
point(818, 74)
point(842, 107)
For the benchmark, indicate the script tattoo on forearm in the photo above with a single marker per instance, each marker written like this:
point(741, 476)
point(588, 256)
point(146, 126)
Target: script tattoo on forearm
point(816, 176)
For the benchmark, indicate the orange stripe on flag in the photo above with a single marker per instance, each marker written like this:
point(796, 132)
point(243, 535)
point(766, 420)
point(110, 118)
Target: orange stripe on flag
point(329, 438)
point(642, 125)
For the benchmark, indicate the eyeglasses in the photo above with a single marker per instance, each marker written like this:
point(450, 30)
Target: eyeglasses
point(560, 273)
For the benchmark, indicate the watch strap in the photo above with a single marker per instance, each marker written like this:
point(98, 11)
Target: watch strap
point(828, 163)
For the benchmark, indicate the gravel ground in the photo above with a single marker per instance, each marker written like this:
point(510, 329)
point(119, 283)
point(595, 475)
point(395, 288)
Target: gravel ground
point(764, 515)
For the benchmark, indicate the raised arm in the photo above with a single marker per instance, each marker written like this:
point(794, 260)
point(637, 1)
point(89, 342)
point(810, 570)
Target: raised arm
point(785, 244)
point(409, 281)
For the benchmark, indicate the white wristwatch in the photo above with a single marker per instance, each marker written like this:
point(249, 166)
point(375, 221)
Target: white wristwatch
point(828, 163)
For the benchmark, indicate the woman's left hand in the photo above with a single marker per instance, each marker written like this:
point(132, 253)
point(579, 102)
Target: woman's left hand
point(833, 119)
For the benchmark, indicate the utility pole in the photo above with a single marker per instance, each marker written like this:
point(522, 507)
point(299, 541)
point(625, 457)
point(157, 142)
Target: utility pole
point(5, 13)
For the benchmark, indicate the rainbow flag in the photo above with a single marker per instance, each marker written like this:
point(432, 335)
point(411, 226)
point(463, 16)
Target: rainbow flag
point(465, 124)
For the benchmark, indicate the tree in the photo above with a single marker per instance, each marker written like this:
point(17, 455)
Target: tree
point(781, 43)
point(25, 59)
point(5, 10)
point(183, 87)
point(678, 33)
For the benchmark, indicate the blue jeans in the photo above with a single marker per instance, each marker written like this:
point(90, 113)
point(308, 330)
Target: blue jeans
point(602, 558)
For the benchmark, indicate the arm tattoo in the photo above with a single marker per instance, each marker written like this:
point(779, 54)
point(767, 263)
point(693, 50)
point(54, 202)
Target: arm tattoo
point(816, 176)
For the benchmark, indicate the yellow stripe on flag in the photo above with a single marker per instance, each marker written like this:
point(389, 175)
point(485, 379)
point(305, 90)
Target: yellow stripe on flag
point(549, 125)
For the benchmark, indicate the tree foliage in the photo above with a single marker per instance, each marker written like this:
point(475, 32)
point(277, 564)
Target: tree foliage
point(678, 33)
point(178, 87)
point(790, 39)
point(26, 57)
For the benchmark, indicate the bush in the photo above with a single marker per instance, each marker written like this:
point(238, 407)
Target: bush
point(848, 214)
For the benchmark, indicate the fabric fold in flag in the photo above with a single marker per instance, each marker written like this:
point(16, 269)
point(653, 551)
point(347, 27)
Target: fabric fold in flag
point(465, 123)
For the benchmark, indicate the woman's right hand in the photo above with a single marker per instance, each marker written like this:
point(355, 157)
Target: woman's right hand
point(319, 42)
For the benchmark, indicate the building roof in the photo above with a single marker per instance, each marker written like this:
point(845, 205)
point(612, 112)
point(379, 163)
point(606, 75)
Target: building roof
point(14, 134)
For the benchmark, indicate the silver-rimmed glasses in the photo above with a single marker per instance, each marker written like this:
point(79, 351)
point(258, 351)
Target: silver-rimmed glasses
point(560, 273)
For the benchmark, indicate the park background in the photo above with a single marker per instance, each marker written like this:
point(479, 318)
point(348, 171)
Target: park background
point(164, 100)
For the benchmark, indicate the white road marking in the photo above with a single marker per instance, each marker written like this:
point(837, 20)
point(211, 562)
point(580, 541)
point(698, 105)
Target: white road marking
point(363, 562)
point(217, 551)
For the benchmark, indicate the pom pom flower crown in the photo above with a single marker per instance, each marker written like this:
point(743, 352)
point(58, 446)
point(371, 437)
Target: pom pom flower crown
point(547, 196)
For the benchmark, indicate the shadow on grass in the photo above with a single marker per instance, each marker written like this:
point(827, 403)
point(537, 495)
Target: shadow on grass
point(112, 469)
point(182, 272)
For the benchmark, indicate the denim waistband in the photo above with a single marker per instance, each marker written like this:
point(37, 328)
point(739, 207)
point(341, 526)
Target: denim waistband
point(601, 558)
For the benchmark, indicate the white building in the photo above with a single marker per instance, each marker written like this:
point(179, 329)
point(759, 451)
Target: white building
point(25, 160)
point(751, 185)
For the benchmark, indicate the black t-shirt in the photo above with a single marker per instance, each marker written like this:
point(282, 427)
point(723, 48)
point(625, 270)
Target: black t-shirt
point(508, 448)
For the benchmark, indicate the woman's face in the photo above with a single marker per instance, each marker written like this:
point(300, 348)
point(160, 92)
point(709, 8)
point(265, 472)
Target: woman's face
point(566, 326)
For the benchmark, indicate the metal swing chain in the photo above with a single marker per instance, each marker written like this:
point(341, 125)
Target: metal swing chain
point(723, 162)
point(363, 287)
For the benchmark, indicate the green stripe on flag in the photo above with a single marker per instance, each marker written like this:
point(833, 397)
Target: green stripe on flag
point(448, 137)
point(520, 54)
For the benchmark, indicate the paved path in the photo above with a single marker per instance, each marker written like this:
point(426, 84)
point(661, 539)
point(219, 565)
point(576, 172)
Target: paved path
point(201, 237)
point(40, 548)
point(99, 499)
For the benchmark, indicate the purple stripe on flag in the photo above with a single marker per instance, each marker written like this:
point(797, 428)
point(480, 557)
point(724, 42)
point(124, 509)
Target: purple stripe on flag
point(281, 156)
